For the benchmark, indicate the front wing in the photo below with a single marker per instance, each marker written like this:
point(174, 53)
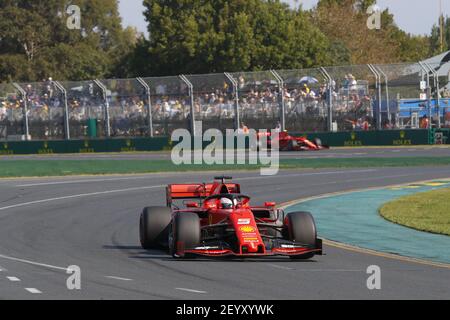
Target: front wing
point(285, 249)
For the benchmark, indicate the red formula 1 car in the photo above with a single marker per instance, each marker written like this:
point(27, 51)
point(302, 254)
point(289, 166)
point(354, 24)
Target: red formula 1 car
point(287, 142)
point(217, 220)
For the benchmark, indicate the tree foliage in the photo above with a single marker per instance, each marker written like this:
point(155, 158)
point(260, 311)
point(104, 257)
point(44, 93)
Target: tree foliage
point(198, 36)
point(435, 38)
point(346, 21)
point(36, 43)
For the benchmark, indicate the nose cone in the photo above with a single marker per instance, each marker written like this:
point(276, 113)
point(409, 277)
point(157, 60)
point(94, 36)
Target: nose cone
point(247, 232)
point(253, 248)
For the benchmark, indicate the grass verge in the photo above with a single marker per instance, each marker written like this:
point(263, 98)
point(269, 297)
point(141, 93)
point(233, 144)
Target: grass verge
point(40, 168)
point(426, 211)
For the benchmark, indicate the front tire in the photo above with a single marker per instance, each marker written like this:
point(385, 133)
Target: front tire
point(302, 229)
point(154, 227)
point(185, 233)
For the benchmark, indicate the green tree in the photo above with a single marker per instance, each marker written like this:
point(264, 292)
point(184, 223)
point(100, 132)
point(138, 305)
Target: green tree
point(435, 37)
point(345, 22)
point(36, 43)
point(200, 36)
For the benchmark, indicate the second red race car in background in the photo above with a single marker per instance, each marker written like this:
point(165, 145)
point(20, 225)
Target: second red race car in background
point(286, 142)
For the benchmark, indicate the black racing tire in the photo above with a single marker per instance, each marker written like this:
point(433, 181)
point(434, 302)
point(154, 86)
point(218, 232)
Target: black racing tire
point(302, 229)
point(290, 146)
point(185, 229)
point(154, 227)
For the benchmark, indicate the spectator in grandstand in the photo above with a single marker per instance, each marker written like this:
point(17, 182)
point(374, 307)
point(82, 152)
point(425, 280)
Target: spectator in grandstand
point(446, 93)
point(424, 123)
point(353, 84)
point(323, 92)
point(346, 82)
point(278, 127)
point(353, 123)
point(244, 129)
point(305, 90)
point(3, 111)
point(365, 125)
point(447, 119)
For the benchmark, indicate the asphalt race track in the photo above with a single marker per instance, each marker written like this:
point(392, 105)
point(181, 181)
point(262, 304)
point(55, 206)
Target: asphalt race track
point(373, 152)
point(49, 224)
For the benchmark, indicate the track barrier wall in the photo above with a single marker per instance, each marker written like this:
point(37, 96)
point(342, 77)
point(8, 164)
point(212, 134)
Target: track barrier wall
point(339, 139)
point(85, 146)
point(373, 138)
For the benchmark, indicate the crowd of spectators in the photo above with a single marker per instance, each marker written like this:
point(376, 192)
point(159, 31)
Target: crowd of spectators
point(306, 105)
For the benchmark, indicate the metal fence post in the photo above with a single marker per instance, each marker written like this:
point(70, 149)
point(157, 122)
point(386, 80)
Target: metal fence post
point(283, 105)
point(386, 83)
point(329, 97)
point(23, 93)
point(105, 97)
point(149, 106)
point(237, 118)
point(66, 108)
point(437, 88)
point(428, 92)
point(191, 95)
point(378, 87)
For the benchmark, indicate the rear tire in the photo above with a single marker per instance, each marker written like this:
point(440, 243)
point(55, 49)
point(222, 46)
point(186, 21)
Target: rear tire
point(290, 146)
point(185, 231)
point(302, 229)
point(154, 227)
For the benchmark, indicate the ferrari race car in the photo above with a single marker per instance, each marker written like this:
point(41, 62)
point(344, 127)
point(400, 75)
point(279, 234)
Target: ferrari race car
point(286, 142)
point(216, 220)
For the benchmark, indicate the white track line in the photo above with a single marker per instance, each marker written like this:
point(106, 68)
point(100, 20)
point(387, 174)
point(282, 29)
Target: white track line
point(13, 279)
point(331, 270)
point(33, 290)
point(82, 195)
point(33, 263)
point(80, 181)
point(306, 174)
point(146, 177)
point(280, 267)
point(118, 278)
point(191, 290)
point(314, 270)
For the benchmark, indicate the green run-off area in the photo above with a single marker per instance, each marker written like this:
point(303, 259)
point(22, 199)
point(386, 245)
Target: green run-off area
point(426, 211)
point(37, 168)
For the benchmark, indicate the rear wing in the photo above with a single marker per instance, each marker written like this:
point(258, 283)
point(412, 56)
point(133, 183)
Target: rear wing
point(198, 191)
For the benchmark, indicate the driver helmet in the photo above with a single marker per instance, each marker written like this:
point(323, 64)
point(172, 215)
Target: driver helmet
point(226, 203)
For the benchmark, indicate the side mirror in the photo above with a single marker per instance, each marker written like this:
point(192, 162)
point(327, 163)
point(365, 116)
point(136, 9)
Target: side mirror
point(192, 205)
point(270, 204)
